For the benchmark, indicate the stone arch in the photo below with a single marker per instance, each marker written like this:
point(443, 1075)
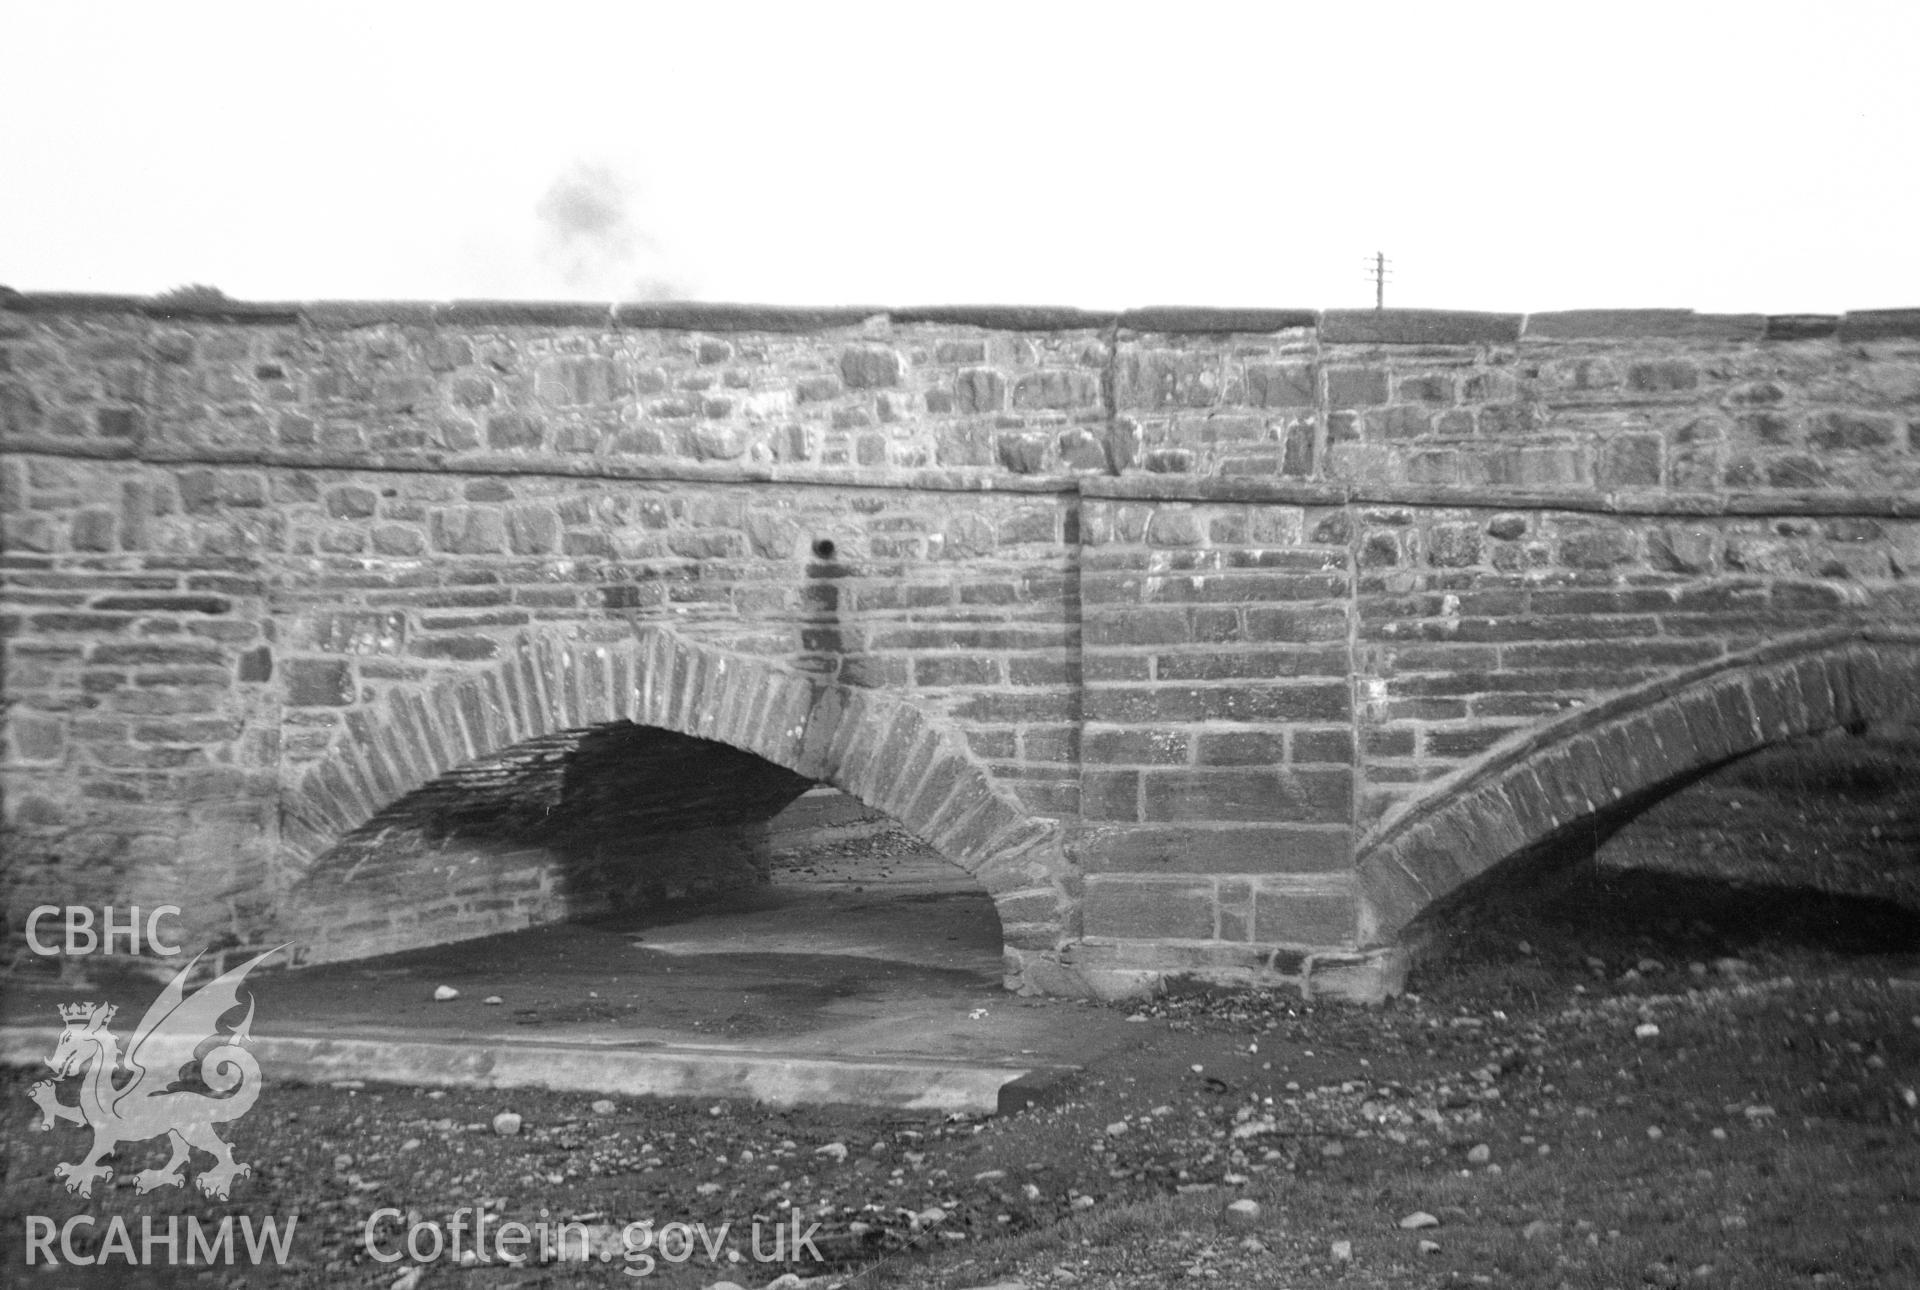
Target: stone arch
point(1529, 788)
point(889, 753)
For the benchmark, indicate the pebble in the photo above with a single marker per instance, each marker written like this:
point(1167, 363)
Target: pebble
point(836, 1151)
point(1646, 1030)
point(1244, 1211)
point(442, 993)
point(493, 1001)
point(1429, 1247)
point(507, 1123)
point(1404, 1107)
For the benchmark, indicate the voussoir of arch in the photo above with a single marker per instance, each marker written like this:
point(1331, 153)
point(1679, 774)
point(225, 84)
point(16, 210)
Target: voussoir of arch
point(889, 753)
point(1527, 788)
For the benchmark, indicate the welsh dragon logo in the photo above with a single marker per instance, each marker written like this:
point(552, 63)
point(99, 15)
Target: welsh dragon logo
point(132, 1098)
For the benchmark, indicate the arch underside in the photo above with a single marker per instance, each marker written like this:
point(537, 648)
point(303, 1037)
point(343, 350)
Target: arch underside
point(611, 819)
point(555, 693)
point(1601, 758)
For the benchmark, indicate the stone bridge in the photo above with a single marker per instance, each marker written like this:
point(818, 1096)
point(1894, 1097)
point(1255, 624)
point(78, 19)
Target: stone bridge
point(1210, 642)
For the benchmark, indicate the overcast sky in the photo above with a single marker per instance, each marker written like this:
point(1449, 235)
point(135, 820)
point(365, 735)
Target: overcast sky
point(1752, 156)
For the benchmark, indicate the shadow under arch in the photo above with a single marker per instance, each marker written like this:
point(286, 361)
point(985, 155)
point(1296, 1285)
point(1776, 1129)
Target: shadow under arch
point(1605, 762)
point(879, 748)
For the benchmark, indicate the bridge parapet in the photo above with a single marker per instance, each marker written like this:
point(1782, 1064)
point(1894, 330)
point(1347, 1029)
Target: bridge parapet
point(1601, 402)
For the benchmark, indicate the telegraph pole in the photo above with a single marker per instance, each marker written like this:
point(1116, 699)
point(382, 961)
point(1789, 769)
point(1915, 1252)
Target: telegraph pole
point(1378, 269)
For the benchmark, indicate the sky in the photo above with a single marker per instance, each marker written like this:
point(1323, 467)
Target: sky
point(1755, 156)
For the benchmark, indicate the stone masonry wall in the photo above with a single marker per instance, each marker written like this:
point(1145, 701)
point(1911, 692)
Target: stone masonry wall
point(1212, 599)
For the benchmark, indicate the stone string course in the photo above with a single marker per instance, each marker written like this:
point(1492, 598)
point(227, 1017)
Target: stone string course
point(1215, 641)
